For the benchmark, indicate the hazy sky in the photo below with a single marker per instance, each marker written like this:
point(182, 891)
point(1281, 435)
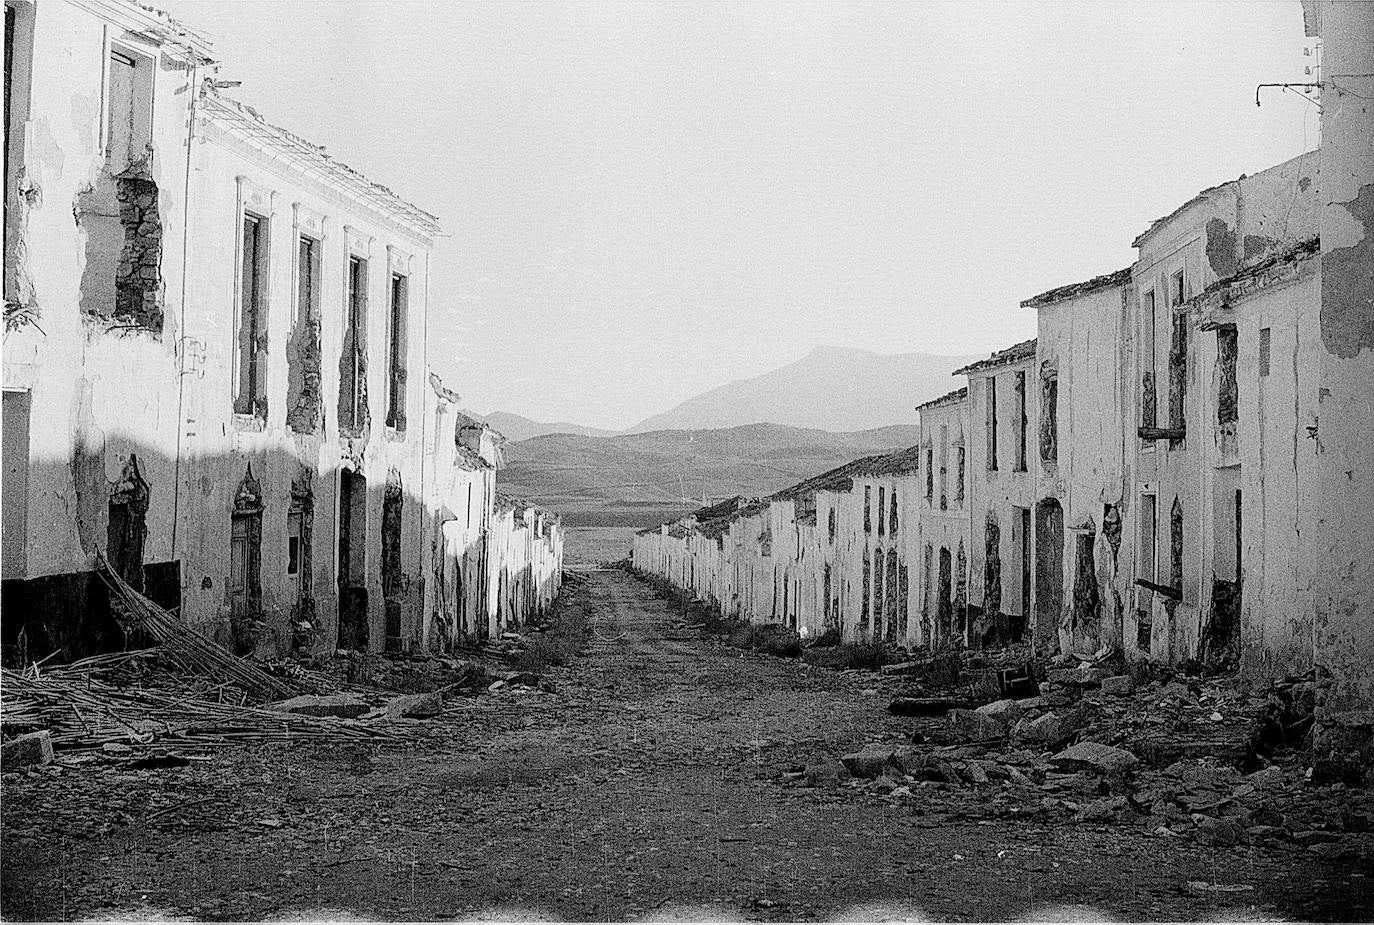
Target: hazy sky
point(648, 200)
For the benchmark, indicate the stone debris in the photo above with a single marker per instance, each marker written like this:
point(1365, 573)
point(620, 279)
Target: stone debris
point(416, 706)
point(1096, 757)
point(33, 749)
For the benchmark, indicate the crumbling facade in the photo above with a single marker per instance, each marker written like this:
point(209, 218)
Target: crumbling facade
point(213, 355)
point(1079, 494)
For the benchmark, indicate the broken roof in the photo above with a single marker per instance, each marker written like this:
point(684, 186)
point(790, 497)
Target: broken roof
point(313, 159)
point(1278, 266)
point(1013, 354)
point(949, 398)
point(1073, 290)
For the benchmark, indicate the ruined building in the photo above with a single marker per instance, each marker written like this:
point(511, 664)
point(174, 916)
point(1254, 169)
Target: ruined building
point(1180, 465)
point(214, 356)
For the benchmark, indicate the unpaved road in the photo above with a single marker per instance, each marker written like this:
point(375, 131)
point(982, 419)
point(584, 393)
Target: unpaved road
point(646, 787)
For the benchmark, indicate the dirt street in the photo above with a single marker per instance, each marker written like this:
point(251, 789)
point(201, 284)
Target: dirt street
point(648, 785)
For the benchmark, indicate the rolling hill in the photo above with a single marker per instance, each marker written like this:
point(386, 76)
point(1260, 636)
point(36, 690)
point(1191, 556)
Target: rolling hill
point(518, 427)
point(667, 469)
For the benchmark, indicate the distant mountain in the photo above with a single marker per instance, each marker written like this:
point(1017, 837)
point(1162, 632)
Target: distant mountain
point(569, 472)
point(832, 388)
point(516, 427)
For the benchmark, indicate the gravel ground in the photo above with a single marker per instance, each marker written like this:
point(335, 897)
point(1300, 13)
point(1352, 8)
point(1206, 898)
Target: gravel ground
point(648, 785)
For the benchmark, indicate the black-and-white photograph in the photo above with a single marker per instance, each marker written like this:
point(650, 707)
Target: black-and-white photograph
point(688, 461)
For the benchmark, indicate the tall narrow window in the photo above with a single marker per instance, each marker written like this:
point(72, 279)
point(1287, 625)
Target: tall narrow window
point(992, 423)
point(892, 519)
point(868, 509)
point(353, 361)
point(1148, 399)
point(959, 474)
point(1049, 415)
point(251, 367)
point(1178, 376)
point(307, 280)
point(128, 108)
point(930, 473)
point(867, 591)
point(396, 359)
point(1021, 421)
point(1264, 342)
point(1227, 392)
point(1176, 547)
point(832, 524)
point(304, 400)
point(944, 467)
point(1149, 526)
point(882, 506)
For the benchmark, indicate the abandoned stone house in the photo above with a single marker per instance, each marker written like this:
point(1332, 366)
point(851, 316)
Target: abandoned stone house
point(1072, 551)
point(213, 358)
point(943, 474)
point(1181, 463)
point(1003, 415)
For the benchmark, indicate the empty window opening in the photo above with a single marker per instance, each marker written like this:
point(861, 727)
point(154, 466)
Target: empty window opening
point(868, 509)
point(128, 110)
point(944, 467)
point(1227, 411)
point(992, 423)
point(353, 415)
point(903, 600)
point(867, 592)
point(892, 518)
point(1178, 365)
point(1149, 540)
point(1176, 546)
point(1264, 342)
point(396, 358)
point(1148, 399)
point(959, 474)
point(352, 561)
point(961, 593)
point(304, 399)
point(250, 396)
point(1021, 421)
point(127, 532)
point(877, 593)
point(832, 524)
point(930, 473)
point(1049, 414)
point(882, 507)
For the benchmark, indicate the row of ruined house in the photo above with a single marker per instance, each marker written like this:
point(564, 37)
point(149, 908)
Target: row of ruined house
point(215, 371)
point(1178, 465)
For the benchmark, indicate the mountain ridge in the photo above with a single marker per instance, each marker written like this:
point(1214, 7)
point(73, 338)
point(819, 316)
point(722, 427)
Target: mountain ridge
point(836, 389)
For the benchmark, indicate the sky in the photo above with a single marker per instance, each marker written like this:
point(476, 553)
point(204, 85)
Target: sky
point(643, 201)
